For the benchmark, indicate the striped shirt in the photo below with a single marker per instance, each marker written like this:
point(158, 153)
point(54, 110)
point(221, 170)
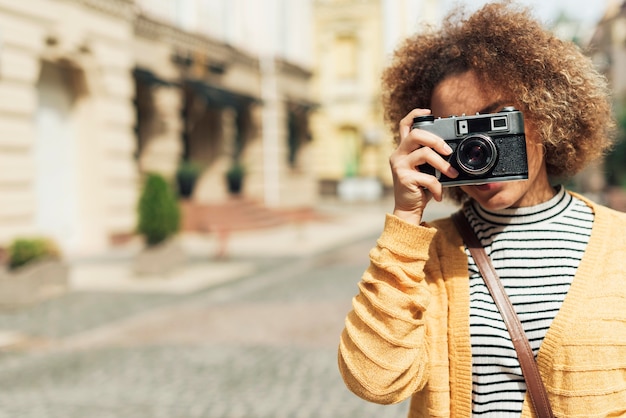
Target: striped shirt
point(535, 251)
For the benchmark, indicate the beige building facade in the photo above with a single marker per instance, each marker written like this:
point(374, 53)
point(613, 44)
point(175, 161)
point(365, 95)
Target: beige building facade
point(96, 93)
point(66, 121)
point(247, 79)
point(209, 104)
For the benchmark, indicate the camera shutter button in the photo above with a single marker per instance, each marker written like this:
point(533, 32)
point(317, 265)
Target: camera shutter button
point(427, 119)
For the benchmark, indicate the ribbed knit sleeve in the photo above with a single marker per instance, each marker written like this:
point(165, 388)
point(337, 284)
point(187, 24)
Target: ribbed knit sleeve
point(383, 356)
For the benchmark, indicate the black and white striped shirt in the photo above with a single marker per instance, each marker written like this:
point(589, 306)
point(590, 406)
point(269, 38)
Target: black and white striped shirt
point(536, 251)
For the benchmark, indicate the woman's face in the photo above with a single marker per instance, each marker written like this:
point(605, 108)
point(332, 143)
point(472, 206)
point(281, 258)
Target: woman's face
point(462, 94)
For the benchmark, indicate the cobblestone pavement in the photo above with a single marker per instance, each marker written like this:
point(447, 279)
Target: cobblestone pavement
point(261, 347)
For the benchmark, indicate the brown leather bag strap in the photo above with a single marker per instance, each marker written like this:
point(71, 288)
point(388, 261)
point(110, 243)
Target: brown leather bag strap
point(534, 384)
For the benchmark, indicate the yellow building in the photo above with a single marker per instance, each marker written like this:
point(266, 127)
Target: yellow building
point(349, 137)
point(353, 41)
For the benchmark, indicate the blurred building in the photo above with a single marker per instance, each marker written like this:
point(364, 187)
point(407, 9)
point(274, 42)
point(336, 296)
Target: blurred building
point(96, 93)
point(215, 86)
point(66, 121)
point(353, 41)
point(608, 47)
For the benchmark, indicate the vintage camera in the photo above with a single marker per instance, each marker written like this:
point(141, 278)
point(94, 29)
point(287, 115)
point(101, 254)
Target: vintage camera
point(485, 148)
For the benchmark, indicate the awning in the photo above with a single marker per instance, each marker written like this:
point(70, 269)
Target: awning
point(220, 97)
point(301, 106)
point(150, 78)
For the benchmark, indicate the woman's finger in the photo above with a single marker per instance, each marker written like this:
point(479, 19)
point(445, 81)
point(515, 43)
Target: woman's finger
point(425, 155)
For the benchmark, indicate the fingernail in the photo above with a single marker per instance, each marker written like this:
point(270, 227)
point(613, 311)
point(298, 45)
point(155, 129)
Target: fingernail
point(447, 148)
point(453, 171)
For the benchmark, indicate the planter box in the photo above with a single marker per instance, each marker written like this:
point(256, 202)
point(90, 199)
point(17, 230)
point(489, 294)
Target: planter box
point(32, 283)
point(160, 259)
point(360, 189)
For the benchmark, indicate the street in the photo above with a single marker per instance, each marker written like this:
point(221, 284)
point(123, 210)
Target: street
point(263, 346)
point(259, 345)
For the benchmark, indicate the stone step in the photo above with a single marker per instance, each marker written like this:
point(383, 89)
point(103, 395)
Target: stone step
point(238, 214)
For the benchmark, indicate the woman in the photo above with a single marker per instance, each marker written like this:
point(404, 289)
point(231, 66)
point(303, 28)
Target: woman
point(423, 325)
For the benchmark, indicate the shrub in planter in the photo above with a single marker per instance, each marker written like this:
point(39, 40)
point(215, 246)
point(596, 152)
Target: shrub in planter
point(159, 221)
point(186, 177)
point(234, 178)
point(24, 250)
point(159, 214)
point(35, 273)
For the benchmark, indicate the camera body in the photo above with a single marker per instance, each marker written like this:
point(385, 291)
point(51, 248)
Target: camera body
point(485, 148)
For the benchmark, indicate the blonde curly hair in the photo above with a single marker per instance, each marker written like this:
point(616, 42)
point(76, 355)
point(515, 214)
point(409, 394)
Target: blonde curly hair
point(551, 81)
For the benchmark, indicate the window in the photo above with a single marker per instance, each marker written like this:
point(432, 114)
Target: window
point(345, 57)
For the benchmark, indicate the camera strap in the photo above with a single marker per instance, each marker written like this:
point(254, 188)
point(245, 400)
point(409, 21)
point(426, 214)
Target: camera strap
point(534, 384)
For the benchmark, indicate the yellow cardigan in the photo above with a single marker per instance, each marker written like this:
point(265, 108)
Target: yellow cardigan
point(408, 332)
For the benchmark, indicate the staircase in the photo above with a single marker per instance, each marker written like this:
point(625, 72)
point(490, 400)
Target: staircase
point(238, 214)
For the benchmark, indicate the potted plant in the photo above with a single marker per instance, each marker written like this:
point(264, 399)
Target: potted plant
point(34, 272)
point(186, 177)
point(234, 177)
point(22, 251)
point(158, 223)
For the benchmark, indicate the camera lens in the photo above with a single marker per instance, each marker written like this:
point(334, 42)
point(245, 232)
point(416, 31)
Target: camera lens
point(476, 154)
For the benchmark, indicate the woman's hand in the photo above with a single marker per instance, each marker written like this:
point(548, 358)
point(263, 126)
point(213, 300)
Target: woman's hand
point(413, 189)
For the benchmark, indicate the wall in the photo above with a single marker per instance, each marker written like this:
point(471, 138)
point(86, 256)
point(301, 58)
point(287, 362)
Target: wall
point(77, 44)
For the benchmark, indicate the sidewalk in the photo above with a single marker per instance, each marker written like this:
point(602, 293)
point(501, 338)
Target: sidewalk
point(98, 283)
point(246, 251)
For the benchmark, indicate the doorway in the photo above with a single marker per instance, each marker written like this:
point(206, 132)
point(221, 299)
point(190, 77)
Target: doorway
point(55, 157)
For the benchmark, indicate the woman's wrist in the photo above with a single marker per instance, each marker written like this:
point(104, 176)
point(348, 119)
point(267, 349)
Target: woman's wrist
point(410, 216)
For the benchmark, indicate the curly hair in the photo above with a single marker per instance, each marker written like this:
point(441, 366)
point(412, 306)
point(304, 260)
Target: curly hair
point(551, 81)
